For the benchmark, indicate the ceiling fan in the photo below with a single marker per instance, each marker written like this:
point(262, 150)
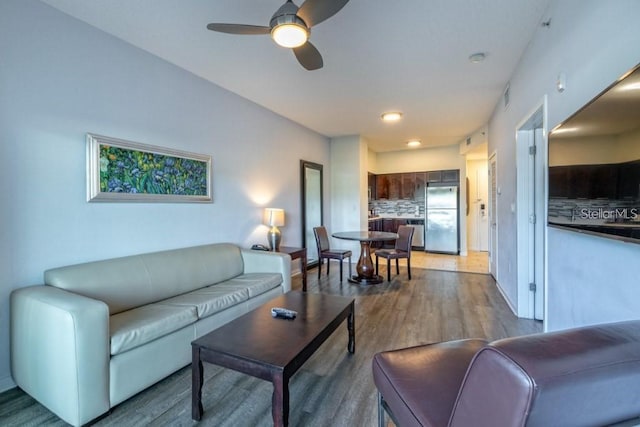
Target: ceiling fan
point(291, 26)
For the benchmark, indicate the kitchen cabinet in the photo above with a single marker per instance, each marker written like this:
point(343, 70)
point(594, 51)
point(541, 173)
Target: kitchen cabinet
point(603, 180)
point(434, 176)
point(371, 185)
point(628, 179)
point(558, 181)
point(421, 184)
point(382, 187)
point(578, 182)
point(391, 225)
point(408, 186)
point(451, 176)
point(389, 186)
point(375, 224)
point(395, 186)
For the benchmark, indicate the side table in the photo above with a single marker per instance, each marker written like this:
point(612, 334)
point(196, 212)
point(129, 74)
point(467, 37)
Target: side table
point(298, 253)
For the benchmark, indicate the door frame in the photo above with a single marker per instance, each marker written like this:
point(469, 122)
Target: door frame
point(531, 213)
point(493, 215)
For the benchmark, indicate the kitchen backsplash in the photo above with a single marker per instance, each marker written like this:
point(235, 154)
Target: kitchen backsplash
point(574, 209)
point(397, 207)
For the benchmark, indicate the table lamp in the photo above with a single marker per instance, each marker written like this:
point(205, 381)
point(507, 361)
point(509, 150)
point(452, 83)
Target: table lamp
point(274, 218)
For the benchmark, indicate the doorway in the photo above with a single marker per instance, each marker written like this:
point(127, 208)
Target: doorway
point(530, 217)
point(477, 202)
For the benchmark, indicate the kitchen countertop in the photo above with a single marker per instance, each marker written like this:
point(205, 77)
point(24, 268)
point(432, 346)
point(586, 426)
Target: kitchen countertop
point(594, 223)
point(388, 216)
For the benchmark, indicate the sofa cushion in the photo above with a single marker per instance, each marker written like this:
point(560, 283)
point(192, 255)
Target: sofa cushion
point(133, 328)
point(420, 384)
point(133, 281)
point(211, 299)
point(257, 283)
point(215, 298)
point(582, 376)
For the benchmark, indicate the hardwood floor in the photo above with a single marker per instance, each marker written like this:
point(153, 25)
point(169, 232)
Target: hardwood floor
point(333, 388)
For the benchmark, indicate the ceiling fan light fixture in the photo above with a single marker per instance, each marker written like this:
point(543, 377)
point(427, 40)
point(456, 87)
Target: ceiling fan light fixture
point(290, 35)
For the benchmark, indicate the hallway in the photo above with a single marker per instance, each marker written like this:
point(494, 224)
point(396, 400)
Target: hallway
point(474, 262)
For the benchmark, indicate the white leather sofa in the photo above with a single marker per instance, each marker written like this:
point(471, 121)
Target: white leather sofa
point(100, 332)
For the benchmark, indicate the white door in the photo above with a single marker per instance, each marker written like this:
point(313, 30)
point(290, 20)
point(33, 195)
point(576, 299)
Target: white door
point(530, 155)
point(481, 208)
point(493, 216)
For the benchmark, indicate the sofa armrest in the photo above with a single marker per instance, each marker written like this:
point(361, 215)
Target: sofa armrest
point(268, 262)
point(60, 351)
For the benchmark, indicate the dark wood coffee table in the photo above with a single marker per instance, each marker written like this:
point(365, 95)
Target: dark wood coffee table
point(269, 348)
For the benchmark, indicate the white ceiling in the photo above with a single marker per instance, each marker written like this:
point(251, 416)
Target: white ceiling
point(407, 55)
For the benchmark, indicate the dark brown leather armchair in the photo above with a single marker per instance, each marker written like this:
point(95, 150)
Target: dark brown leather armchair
point(325, 251)
point(402, 250)
point(586, 376)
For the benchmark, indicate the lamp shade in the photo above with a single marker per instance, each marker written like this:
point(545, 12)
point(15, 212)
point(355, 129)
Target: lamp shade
point(274, 217)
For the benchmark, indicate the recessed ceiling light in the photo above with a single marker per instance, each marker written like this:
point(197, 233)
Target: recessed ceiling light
point(391, 116)
point(477, 57)
point(414, 143)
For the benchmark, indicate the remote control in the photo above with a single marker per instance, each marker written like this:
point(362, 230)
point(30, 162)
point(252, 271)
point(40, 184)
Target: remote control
point(283, 313)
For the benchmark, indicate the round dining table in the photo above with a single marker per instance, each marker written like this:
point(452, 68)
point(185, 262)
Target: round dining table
point(366, 273)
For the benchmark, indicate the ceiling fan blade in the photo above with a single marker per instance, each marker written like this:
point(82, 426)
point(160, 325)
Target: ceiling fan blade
point(239, 28)
point(314, 12)
point(308, 56)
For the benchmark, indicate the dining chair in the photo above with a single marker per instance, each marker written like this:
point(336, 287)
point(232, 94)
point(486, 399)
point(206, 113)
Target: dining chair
point(325, 251)
point(402, 249)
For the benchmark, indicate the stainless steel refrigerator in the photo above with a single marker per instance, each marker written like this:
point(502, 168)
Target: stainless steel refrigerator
point(441, 228)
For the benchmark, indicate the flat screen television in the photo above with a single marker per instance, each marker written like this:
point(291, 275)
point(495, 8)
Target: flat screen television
point(594, 165)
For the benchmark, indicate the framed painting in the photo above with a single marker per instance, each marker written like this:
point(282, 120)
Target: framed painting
point(125, 171)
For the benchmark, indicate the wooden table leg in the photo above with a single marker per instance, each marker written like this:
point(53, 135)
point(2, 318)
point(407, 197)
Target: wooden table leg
point(365, 269)
point(280, 400)
point(197, 379)
point(303, 265)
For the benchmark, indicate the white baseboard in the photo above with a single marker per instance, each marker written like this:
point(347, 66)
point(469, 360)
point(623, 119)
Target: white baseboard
point(504, 297)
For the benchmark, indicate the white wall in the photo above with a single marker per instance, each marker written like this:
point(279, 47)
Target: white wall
point(590, 279)
point(629, 146)
point(372, 161)
point(349, 157)
point(583, 150)
point(426, 159)
point(60, 79)
point(595, 149)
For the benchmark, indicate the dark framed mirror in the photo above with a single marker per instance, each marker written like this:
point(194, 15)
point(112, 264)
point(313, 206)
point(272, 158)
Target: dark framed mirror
point(311, 202)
